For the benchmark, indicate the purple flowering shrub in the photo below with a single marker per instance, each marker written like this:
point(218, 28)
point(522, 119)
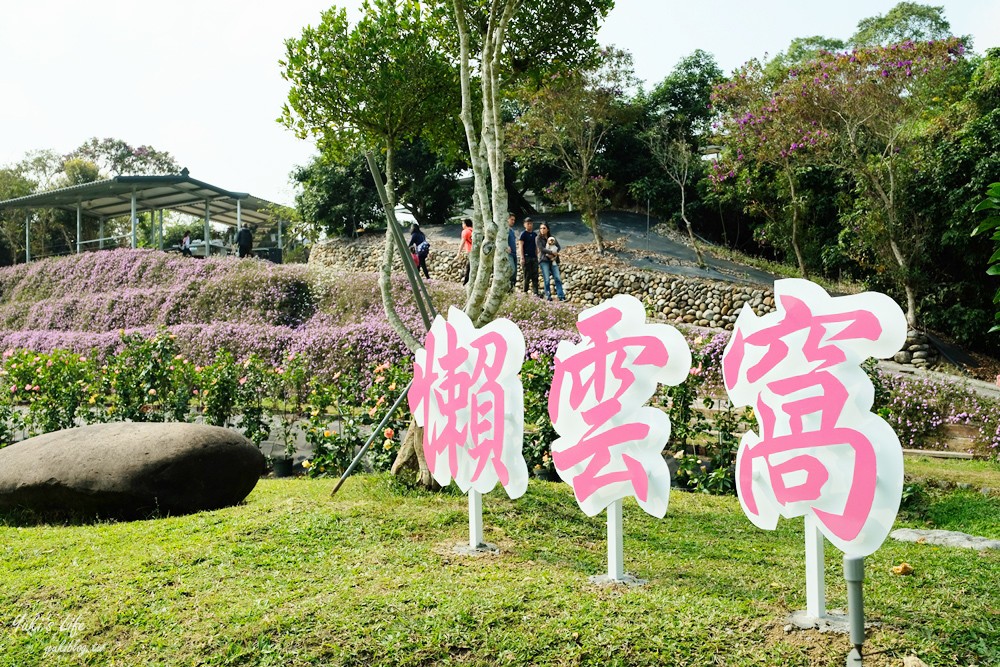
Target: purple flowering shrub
point(137, 288)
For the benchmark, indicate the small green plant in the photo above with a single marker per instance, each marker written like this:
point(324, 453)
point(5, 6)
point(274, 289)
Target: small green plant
point(219, 384)
point(253, 388)
point(140, 377)
point(387, 381)
point(914, 501)
point(539, 434)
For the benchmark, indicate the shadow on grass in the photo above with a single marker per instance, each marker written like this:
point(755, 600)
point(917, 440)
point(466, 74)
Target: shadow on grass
point(27, 518)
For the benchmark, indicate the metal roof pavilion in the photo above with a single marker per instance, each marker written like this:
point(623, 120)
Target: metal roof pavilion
point(129, 195)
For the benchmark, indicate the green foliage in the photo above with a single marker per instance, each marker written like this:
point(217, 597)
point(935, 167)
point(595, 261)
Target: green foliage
point(332, 447)
point(539, 434)
point(389, 380)
point(905, 21)
point(142, 380)
point(992, 223)
point(684, 96)
point(337, 198)
point(254, 388)
point(801, 50)
point(291, 389)
point(704, 430)
point(54, 389)
point(342, 410)
point(218, 389)
point(79, 171)
point(427, 182)
point(373, 85)
point(914, 501)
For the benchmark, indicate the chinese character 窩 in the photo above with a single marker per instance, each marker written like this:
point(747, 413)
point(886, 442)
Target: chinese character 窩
point(819, 449)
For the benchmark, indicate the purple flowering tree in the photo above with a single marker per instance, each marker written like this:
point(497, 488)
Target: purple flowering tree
point(117, 157)
point(866, 113)
point(765, 127)
point(878, 103)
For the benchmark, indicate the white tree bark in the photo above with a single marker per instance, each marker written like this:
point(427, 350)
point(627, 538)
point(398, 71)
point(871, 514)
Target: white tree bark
point(489, 269)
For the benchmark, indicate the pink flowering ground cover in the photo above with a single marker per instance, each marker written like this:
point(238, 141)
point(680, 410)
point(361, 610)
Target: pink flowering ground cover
point(83, 303)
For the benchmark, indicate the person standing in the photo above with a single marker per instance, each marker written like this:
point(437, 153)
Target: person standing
point(244, 241)
point(465, 250)
point(548, 260)
point(512, 248)
point(420, 247)
point(186, 244)
point(527, 250)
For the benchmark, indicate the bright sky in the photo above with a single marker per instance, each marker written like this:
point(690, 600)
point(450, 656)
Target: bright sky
point(200, 79)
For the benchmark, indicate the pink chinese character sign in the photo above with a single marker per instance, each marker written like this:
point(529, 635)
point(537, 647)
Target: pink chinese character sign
point(610, 443)
point(467, 395)
point(819, 451)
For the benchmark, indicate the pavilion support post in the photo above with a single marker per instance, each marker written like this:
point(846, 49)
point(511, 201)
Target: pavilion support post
point(79, 227)
point(208, 237)
point(280, 243)
point(100, 231)
point(159, 230)
point(239, 214)
point(27, 237)
point(135, 223)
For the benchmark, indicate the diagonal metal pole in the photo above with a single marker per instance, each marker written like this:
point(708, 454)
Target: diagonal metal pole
point(420, 295)
point(371, 438)
point(420, 292)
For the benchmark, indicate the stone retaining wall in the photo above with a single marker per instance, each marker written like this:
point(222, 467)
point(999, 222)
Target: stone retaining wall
point(670, 297)
point(667, 296)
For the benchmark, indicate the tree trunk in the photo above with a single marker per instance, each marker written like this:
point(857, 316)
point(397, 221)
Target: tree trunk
point(687, 223)
point(590, 216)
point(795, 223)
point(909, 288)
point(411, 458)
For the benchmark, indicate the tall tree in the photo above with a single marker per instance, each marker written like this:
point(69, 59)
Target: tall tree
point(680, 163)
point(683, 99)
point(371, 86)
point(567, 121)
point(336, 199)
point(497, 41)
point(14, 183)
point(872, 107)
point(762, 124)
point(906, 21)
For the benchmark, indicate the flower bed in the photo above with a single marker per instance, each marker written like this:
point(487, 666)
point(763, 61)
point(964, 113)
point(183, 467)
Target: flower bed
point(250, 344)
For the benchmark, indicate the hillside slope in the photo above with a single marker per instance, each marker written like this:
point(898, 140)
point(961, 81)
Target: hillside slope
point(84, 302)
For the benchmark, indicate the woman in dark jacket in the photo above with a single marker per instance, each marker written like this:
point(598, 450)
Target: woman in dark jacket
point(420, 248)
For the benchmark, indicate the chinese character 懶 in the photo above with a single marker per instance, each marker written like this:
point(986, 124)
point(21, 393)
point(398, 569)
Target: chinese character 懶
point(467, 395)
point(610, 444)
point(819, 449)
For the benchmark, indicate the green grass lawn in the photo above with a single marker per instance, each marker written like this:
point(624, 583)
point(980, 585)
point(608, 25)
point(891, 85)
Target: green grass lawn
point(977, 473)
point(294, 577)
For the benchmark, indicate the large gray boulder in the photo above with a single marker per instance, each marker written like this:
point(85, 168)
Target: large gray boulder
point(129, 470)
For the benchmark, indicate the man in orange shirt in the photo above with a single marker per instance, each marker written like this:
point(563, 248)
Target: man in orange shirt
point(466, 247)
